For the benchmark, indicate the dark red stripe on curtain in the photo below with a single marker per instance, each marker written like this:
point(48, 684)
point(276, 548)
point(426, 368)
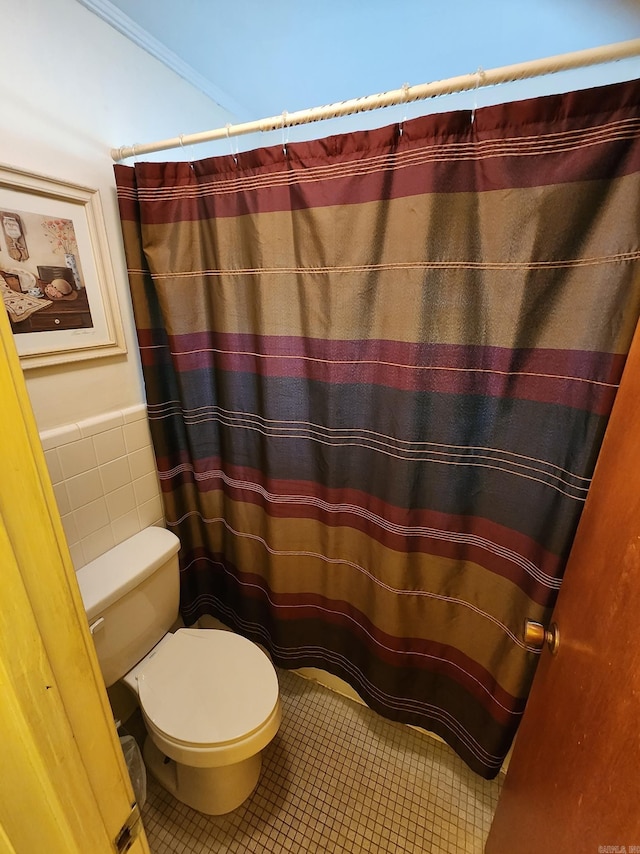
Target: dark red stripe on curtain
point(497, 548)
point(581, 380)
point(507, 146)
point(602, 367)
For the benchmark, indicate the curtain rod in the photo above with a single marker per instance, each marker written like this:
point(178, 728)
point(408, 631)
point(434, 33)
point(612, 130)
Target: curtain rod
point(465, 82)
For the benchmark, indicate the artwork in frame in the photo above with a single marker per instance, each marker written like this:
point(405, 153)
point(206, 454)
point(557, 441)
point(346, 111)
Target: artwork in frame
point(56, 277)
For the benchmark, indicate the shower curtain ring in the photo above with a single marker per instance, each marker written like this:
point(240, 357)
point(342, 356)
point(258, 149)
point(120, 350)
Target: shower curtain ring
point(479, 82)
point(234, 154)
point(284, 141)
point(181, 141)
point(405, 95)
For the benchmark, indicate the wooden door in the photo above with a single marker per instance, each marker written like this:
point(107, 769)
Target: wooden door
point(573, 784)
point(64, 787)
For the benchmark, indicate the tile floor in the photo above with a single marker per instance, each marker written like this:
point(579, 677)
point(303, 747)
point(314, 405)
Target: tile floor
point(338, 778)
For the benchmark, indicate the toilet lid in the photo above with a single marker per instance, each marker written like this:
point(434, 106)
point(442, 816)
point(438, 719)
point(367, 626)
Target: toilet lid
point(205, 686)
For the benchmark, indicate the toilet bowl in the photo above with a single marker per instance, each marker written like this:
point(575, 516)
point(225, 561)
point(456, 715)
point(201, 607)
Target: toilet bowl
point(210, 703)
point(209, 697)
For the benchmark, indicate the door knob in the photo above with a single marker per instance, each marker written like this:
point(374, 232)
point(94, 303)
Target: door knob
point(536, 635)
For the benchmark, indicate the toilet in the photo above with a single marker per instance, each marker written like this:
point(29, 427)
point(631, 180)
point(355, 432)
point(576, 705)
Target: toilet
point(209, 697)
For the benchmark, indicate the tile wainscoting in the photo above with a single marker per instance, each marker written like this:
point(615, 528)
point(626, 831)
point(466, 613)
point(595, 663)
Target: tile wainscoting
point(104, 478)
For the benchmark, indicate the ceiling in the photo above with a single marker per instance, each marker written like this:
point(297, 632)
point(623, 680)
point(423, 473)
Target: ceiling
point(258, 59)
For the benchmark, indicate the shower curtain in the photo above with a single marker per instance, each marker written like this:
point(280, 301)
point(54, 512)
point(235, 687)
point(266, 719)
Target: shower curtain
point(379, 367)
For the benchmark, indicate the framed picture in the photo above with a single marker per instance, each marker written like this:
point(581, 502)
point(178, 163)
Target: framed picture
point(56, 278)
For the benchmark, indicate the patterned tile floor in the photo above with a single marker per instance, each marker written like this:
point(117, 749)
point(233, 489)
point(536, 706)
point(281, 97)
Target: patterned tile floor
point(336, 778)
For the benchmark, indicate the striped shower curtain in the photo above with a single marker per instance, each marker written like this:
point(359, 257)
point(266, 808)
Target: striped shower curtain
point(379, 367)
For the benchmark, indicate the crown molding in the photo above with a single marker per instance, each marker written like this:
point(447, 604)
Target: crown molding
point(138, 35)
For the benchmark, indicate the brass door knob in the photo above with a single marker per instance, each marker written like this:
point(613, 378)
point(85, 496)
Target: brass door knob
point(536, 635)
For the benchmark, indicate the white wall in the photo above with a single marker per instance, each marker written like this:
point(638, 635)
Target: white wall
point(71, 88)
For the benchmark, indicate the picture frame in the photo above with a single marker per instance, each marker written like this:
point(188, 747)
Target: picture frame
point(56, 277)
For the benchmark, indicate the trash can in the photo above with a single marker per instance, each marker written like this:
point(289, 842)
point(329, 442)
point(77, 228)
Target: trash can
point(135, 767)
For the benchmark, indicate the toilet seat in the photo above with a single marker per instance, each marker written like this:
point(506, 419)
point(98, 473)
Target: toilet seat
point(205, 688)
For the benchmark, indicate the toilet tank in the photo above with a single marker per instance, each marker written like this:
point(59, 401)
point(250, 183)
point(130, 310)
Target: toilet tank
point(131, 596)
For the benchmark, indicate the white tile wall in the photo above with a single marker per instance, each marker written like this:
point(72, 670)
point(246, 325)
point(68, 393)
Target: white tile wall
point(104, 478)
